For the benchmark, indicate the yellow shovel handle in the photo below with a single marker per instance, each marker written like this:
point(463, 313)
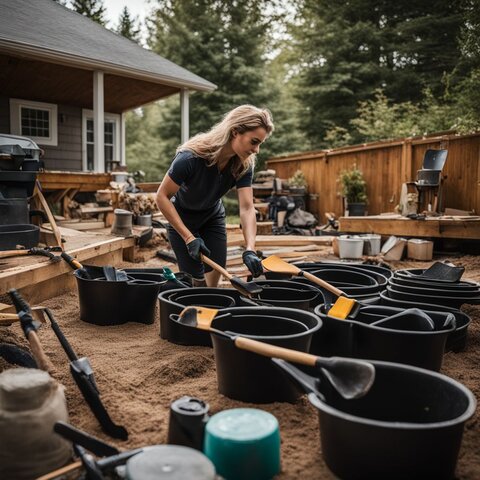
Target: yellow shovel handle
point(322, 283)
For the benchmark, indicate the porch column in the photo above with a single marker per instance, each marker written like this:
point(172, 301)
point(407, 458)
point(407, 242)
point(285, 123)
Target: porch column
point(185, 117)
point(123, 161)
point(98, 123)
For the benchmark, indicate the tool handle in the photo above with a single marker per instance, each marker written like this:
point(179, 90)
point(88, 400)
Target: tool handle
point(323, 283)
point(42, 360)
point(273, 351)
point(61, 471)
point(13, 253)
point(72, 356)
point(9, 316)
point(215, 266)
point(75, 264)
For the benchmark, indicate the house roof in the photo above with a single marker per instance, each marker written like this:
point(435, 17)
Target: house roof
point(47, 31)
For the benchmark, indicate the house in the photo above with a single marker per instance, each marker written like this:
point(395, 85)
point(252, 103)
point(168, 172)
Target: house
point(66, 81)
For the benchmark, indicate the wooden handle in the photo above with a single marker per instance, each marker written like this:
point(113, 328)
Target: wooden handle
point(42, 360)
point(9, 316)
point(61, 471)
point(273, 351)
point(53, 224)
point(13, 253)
point(216, 266)
point(322, 283)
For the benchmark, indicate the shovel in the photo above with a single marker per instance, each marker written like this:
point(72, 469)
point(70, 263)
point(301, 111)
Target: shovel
point(342, 308)
point(443, 271)
point(350, 377)
point(44, 252)
point(82, 373)
point(245, 288)
point(111, 273)
point(30, 327)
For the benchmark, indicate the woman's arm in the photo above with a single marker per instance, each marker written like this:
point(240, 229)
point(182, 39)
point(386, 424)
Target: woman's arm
point(168, 188)
point(247, 216)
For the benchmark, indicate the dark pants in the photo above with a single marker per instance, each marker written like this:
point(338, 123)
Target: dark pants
point(212, 231)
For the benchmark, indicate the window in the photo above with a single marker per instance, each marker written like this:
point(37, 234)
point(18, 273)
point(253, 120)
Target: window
point(35, 120)
point(111, 139)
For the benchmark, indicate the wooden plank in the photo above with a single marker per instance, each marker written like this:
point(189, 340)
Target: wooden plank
point(94, 210)
point(82, 226)
point(47, 210)
point(432, 227)
point(280, 240)
point(84, 181)
point(36, 271)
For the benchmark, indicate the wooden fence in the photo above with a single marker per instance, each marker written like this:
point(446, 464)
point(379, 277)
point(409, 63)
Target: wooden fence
point(386, 166)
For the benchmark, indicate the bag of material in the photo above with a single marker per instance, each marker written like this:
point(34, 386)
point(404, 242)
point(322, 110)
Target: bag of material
point(30, 404)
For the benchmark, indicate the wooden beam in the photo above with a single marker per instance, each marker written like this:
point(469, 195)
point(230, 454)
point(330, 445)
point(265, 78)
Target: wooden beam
point(280, 240)
point(46, 208)
point(434, 227)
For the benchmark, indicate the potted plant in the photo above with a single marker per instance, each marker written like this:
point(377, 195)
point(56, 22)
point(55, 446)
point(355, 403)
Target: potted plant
point(354, 190)
point(297, 183)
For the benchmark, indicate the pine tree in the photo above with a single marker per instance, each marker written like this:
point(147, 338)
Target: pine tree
point(128, 26)
point(93, 9)
point(347, 50)
point(223, 42)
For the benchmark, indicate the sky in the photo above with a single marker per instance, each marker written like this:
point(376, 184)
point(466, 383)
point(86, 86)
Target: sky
point(137, 8)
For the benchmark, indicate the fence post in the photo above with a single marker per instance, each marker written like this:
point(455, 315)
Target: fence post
point(406, 165)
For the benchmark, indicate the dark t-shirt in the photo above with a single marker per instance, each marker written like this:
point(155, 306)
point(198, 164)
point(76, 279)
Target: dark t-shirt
point(201, 186)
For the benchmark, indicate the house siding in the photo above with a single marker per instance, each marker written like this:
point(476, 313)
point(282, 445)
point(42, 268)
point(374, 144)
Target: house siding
point(67, 155)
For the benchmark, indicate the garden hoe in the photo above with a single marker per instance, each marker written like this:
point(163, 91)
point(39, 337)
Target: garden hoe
point(350, 377)
point(342, 308)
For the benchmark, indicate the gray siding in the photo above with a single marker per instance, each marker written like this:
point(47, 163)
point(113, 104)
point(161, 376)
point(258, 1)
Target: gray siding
point(67, 155)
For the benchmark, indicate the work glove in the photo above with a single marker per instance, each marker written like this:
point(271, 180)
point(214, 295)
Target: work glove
point(196, 247)
point(252, 262)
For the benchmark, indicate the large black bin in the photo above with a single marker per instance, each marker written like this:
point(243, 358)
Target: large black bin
point(113, 303)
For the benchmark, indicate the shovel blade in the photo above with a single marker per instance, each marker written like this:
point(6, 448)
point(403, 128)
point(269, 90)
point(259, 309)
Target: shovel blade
point(246, 288)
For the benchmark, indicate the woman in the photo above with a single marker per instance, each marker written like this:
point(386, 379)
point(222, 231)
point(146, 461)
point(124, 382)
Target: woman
point(204, 169)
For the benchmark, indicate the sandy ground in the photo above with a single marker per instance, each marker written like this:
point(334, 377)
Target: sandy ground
point(139, 375)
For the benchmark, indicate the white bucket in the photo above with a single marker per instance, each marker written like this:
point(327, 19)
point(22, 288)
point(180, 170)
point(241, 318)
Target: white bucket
point(372, 244)
point(350, 246)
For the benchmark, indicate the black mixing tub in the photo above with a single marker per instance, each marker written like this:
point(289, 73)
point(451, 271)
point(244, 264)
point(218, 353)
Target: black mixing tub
point(369, 336)
point(174, 301)
point(456, 340)
point(105, 302)
point(249, 377)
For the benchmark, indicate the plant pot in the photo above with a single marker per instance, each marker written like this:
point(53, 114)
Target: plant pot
point(356, 209)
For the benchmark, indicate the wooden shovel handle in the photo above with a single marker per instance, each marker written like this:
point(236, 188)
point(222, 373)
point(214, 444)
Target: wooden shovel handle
point(216, 266)
point(9, 316)
point(273, 351)
point(61, 471)
point(323, 283)
point(42, 360)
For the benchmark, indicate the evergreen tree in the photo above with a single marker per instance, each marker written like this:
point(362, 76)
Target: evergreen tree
point(347, 50)
point(128, 26)
point(223, 42)
point(93, 9)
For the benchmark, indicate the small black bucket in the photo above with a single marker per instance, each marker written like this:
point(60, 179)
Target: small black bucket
point(114, 303)
point(249, 377)
point(174, 301)
point(409, 425)
point(22, 234)
point(361, 338)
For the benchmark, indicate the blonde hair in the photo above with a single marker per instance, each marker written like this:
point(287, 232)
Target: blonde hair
point(208, 145)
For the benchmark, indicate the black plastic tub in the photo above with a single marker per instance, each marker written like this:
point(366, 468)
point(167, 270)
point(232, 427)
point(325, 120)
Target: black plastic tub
point(249, 377)
point(114, 303)
point(408, 426)
point(286, 293)
point(463, 285)
point(22, 234)
point(358, 338)
point(175, 300)
point(456, 340)
point(423, 295)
